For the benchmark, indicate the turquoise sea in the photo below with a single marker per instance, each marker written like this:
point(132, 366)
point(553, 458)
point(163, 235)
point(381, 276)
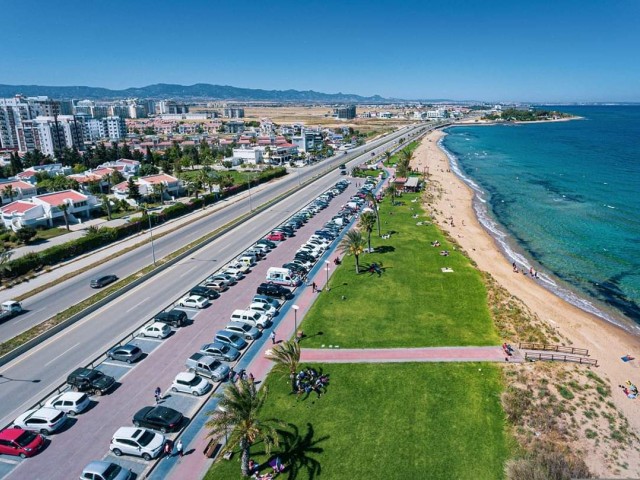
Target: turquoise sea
point(563, 198)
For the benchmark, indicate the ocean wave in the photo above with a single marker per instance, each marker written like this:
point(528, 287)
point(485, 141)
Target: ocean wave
point(512, 255)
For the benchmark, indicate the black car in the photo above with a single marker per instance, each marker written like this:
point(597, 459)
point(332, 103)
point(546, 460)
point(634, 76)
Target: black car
point(204, 292)
point(175, 318)
point(288, 229)
point(305, 257)
point(273, 290)
point(160, 418)
point(89, 380)
point(103, 281)
point(295, 268)
point(268, 243)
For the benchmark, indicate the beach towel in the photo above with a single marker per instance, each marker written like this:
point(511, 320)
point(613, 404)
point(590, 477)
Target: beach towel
point(446, 270)
point(627, 358)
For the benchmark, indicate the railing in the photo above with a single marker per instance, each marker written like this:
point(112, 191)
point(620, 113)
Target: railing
point(553, 348)
point(561, 358)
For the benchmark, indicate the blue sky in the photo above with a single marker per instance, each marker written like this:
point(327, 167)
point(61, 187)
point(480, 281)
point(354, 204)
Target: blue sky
point(562, 50)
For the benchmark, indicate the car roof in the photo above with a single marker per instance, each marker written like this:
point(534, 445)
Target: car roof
point(11, 433)
point(97, 466)
point(128, 432)
point(158, 324)
point(69, 396)
point(243, 326)
point(185, 376)
point(44, 412)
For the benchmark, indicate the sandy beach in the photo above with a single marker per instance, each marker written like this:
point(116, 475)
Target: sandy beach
point(605, 342)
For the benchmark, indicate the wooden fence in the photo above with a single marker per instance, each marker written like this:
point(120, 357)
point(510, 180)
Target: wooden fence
point(560, 358)
point(553, 348)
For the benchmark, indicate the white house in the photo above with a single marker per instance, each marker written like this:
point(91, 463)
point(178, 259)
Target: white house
point(172, 186)
point(253, 156)
point(16, 190)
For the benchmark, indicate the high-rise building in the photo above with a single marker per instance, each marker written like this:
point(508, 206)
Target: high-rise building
point(113, 128)
point(233, 112)
point(14, 111)
point(51, 134)
point(346, 112)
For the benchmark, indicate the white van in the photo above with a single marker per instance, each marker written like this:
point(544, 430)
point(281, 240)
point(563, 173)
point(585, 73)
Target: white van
point(282, 276)
point(255, 319)
point(248, 260)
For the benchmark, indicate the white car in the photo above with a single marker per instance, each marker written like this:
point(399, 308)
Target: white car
point(243, 267)
point(137, 441)
point(189, 382)
point(234, 272)
point(44, 420)
point(70, 403)
point(193, 301)
point(155, 330)
point(267, 310)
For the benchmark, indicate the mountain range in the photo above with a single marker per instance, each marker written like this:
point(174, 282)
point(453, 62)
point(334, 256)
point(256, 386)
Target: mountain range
point(184, 92)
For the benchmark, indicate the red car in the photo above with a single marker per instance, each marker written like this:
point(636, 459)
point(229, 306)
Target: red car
point(24, 443)
point(276, 237)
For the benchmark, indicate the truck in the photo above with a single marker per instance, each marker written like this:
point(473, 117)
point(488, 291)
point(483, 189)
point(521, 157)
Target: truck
point(282, 276)
point(10, 309)
point(207, 366)
point(90, 380)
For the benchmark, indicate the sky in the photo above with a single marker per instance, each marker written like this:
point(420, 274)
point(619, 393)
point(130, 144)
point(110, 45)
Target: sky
point(489, 50)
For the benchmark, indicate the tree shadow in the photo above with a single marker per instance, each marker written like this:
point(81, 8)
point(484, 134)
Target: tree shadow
point(385, 249)
point(296, 450)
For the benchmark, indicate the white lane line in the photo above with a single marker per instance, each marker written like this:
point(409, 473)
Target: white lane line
point(186, 272)
point(150, 339)
point(137, 305)
point(28, 314)
point(10, 462)
point(123, 365)
point(55, 358)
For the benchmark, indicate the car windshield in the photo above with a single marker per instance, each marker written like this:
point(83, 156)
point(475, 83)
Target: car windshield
point(26, 438)
point(194, 381)
point(111, 472)
point(145, 438)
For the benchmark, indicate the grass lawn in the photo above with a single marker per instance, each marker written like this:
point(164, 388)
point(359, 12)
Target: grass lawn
point(48, 233)
point(413, 303)
point(396, 156)
point(390, 421)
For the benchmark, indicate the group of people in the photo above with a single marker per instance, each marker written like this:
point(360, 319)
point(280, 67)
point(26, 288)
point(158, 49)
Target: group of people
point(533, 272)
point(444, 253)
point(629, 389)
point(240, 375)
point(435, 243)
point(276, 465)
point(309, 380)
point(508, 349)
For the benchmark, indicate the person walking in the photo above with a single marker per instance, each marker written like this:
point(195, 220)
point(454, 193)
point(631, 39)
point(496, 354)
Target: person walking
point(179, 448)
point(158, 394)
point(314, 287)
point(168, 448)
point(273, 337)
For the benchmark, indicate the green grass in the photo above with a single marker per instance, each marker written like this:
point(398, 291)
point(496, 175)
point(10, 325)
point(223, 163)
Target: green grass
point(388, 421)
point(49, 233)
point(413, 303)
point(396, 156)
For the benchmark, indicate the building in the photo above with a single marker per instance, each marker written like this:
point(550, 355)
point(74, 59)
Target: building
point(13, 112)
point(234, 126)
point(233, 112)
point(113, 128)
point(150, 186)
point(45, 209)
point(347, 112)
point(169, 106)
point(12, 190)
point(252, 156)
point(51, 134)
point(308, 141)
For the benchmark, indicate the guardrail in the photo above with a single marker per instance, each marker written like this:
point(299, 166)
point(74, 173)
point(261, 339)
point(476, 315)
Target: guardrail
point(553, 348)
point(562, 358)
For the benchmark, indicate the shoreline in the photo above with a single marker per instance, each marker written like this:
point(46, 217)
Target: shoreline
point(606, 341)
point(478, 123)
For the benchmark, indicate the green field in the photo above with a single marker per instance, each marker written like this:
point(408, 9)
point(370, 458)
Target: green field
point(390, 421)
point(413, 303)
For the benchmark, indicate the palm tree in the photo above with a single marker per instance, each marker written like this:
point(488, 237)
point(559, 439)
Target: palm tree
point(387, 156)
point(107, 204)
point(286, 356)
point(8, 192)
point(64, 208)
point(354, 244)
point(392, 190)
point(158, 190)
point(5, 256)
point(367, 222)
point(238, 411)
point(370, 196)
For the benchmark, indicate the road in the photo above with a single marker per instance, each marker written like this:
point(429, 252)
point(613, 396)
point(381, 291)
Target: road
point(58, 298)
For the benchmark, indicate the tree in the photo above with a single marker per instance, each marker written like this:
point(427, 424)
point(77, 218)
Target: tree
point(392, 191)
point(15, 164)
point(286, 356)
point(370, 196)
point(353, 243)
point(158, 190)
point(134, 190)
point(387, 155)
point(238, 411)
point(367, 222)
point(5, 256)
point(26, 234)
point(64, 208)
point(107, 205)
point(7, 191)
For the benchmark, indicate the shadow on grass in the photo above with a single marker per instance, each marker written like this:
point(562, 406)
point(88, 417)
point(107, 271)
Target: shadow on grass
point(297, 449)
point(385, 249)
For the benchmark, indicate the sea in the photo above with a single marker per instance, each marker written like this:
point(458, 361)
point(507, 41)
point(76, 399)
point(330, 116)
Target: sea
point(563, 198)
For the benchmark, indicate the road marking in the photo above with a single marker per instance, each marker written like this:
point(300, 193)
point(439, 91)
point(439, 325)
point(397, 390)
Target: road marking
point(55, 358)
point(137, 304)
point(10, 462)
point(123, 365)
point(25, 317)
point(152, 339)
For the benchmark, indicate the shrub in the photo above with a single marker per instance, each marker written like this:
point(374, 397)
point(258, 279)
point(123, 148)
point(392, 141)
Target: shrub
point(547, 461)
point(26, 234)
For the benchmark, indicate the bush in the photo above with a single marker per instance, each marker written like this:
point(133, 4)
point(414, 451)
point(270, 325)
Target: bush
point(547, 461)
point(26, 234)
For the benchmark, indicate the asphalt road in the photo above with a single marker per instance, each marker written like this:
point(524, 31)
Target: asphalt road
point(87, 436)
point(58, 298)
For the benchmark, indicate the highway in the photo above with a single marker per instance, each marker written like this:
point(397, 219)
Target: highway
point(29, 377)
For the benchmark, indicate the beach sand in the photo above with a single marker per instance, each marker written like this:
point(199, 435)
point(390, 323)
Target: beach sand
point(606, 342)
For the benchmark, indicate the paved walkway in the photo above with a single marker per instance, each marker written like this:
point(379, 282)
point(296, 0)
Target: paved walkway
point(430, 354)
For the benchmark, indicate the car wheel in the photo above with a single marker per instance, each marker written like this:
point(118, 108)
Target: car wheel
point(44, 431)
point(195, 394)
point(72, 413)
point(128, 360)
point(75, 388)
point(22, 455)
point(136, 423)
point(117, 452)
point(146, 456)
point(163, 429)
point(97, 392)
point(174, 389)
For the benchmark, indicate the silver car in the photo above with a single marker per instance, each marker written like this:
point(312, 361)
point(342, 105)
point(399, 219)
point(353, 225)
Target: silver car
point(247, 331)
point(100, 470)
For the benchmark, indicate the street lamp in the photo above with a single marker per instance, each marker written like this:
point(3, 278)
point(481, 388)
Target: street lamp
point(250, 201)
point(295, 318)
point(327, 268)
point(153, 249)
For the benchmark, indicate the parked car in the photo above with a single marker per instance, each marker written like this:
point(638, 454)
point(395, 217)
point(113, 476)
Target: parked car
point(174, 318)
point(217, 285)
point(276, 237)
point(225, 278)
point(137, 441)
point(273, 290)
point(234, 273)
point(220, 351)
point(125, 353)
point(189, 382)
point(44, 420)
point(255, 319)
point(248, 332)
point(206, 292)
point(90, 380)
point(193, 301)
point(296, 268)
point(100, 470)
point(70, 403)
point(207, 366)
point(20, 443)
point(156, 330)
point(243, 267)
point(268, 300)
point(102, 281)
point(230, 338)
point(267, 242)
point(158, 417)
point(264, 309)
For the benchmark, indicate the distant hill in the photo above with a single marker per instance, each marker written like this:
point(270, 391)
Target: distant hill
point(187, 92)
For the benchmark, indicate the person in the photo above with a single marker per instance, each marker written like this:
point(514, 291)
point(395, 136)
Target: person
point(314, 287)
point(158, 394)
point(179, 448)
point(251, 378)
point(253, 467)
point(168, 448)
point(273, 337)
point(299, 335)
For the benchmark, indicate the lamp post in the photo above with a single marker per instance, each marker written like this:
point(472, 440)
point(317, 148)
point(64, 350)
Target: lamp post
point(250, 201)
point(327, 269)
point(295, 318)
point(153, 249)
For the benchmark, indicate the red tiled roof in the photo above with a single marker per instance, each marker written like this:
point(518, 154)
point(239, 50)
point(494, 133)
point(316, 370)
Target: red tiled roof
point(58, 198)
point(27, 174)
point(16, 184)
point(162, 177)
point(122, 186)
point(18, 207)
